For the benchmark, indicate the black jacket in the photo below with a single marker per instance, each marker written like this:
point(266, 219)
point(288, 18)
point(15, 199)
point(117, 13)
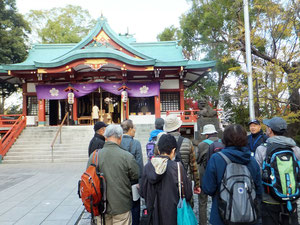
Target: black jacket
point(255, 140)
point(160, 179)
point(97, 142)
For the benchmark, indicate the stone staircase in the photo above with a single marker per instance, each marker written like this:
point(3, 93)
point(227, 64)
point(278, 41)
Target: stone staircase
point(142, 134)
point(34, 144)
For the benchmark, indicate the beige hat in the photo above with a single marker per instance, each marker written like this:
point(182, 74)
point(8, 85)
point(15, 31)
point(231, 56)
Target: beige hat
point(209, 129)
point(172, 122)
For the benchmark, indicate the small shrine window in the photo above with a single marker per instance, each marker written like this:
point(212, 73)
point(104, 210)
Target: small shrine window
point(169, 101)
point(32, 106)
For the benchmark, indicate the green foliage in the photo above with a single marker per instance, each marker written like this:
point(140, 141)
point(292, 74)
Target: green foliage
point(169, 34)
point(13, 30)
point(217, 28)
point(14, 109)
point(61, 25)
point(206, 88)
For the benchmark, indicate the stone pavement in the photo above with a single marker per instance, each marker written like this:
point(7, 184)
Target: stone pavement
point(40, 193)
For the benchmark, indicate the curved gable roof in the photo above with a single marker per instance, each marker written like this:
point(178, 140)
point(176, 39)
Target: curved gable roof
point(103, 25)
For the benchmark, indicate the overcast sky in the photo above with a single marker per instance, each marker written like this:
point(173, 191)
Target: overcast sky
point(144, 18)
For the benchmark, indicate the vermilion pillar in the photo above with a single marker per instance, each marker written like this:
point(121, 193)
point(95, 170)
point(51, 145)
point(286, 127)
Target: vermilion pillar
point(24, 110)
point(157, 106)
point(75, 118)
point(181, 86)
point(42, 117)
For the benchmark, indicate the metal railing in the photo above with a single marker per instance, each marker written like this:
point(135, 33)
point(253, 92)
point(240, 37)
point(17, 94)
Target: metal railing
point(17, 125)
point(58, 132)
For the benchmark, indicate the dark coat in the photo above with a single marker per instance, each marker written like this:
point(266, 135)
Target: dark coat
point(165, 184)
point(134, 147)
point(255, 140)
point(215, 170)
point(97, 142)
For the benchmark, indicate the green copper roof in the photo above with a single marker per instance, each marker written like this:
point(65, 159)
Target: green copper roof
point(99, 52)
point(163, 51)
point(159, 54)
point(2, 70)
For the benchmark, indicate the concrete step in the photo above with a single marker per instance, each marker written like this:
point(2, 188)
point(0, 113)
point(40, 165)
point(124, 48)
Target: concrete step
point(65, 160)
point(48, 151)
point(46, 156)
point(33, 145)
point(48, 145)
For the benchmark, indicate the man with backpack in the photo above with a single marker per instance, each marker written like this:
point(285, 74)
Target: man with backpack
point(232, 177)
point(279, 161)
point(257, 136)
point(185, 152)
point(150, 146)
point(205, 149)
point(120, 171)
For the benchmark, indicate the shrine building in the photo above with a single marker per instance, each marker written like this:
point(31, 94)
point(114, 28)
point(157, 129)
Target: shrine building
point(61, 78)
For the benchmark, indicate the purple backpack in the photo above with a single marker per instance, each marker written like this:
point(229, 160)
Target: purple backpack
point(150, 146)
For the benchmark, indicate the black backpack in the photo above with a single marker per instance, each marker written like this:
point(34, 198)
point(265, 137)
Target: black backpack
point(281, 174)
point(216, 146)
point(177, 153)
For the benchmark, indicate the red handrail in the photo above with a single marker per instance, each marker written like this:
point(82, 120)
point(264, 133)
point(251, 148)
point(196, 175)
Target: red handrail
point(186, 115)
point(10, 137)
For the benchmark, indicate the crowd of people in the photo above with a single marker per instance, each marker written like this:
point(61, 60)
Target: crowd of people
point(235, 170)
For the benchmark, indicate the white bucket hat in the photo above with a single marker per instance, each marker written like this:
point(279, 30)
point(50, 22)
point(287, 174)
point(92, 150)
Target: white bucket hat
point(209, 129)
point(172, 122)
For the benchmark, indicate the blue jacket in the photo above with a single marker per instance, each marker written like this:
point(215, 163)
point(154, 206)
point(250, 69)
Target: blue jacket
point(154, 134)
point(215, 170)
point(134, 147)
point(255, 140)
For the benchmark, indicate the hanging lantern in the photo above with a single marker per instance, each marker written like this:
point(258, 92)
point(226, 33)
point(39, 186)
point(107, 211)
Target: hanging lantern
point(71, 98)
point(124, 96)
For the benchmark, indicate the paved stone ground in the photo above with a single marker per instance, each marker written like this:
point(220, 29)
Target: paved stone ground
point(86, 217)
point(40, 193)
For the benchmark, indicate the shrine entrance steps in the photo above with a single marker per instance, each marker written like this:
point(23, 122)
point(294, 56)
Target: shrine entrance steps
point(34, 144)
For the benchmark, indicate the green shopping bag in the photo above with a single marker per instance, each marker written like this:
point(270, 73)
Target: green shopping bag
point(185, 213)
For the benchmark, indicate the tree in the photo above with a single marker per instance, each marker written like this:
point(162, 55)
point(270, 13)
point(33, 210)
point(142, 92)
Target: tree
point(218, 24)
point(60, 25)
point(13, 35)
point(217, 27)
point(169, 34)
point(13, 30)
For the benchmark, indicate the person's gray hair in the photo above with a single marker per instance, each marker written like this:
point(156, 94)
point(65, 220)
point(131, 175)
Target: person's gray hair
point(113, 130)
point(126, 125)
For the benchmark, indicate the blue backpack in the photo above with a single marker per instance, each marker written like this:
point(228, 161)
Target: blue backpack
point(281, 174)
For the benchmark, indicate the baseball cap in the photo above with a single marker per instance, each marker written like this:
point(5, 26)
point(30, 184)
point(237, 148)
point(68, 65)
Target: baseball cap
point(254, 121)
point(276, 123)
point(99, 125)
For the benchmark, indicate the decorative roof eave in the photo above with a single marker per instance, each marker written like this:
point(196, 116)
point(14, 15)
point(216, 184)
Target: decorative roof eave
point(102, 24)
point(18, 67)
point(200, 64)
point(2, 70)
point(93, 55)
point(188, 64)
